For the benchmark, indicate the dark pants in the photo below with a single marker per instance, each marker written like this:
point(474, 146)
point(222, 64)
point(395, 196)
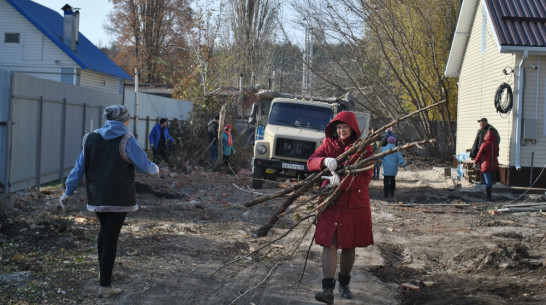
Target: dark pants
point(107, 243)
point(161, 154)
point(389, 184)
point(213, 154)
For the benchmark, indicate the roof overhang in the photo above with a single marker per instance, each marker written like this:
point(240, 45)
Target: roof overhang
point(517, 49)
point(460, 39)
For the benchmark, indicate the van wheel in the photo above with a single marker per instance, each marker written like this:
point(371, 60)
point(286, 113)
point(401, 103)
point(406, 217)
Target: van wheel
point(257, 176)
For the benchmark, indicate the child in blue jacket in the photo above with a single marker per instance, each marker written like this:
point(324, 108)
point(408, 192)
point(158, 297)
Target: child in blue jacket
point(390, 167)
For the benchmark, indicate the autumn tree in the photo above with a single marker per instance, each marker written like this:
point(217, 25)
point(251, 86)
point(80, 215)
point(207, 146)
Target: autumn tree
point(197, 72)
point(391, 53)
point(148, 35)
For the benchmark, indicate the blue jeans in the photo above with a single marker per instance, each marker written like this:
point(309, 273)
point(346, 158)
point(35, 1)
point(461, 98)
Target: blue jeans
point(488, 179)
point(213, 154)
point(376, 169)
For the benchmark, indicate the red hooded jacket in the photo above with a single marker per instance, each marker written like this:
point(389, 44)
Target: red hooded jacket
point(487, 155)
point(350, 217)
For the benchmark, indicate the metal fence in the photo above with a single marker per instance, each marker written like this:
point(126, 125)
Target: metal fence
point(43, 122)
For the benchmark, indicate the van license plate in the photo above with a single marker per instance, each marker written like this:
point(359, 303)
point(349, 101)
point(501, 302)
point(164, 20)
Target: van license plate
point(293, 166)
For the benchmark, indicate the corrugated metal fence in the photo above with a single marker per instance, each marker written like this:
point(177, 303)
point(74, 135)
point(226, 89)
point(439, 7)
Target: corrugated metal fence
point(43, 122)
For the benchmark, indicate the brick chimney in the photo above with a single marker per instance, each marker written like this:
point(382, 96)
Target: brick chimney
point(71, 26)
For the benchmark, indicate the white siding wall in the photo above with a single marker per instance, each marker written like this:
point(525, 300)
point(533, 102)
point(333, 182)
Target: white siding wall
point(534, 100)
point(38, 56)
point(96, 80)
point(35, 54)
point(481, 74)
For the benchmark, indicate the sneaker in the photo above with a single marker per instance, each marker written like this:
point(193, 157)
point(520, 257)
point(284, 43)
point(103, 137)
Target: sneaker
point(106, 292)
point(325, 296)
point(345, 291)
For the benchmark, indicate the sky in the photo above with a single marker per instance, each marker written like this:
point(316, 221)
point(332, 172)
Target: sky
point(93, 15)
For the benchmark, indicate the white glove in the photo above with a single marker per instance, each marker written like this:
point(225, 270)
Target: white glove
point(64, 201)
point(334, 179)
point(331, 164)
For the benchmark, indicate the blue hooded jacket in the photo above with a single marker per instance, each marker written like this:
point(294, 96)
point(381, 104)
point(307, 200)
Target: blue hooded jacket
point(391, 161)
point(156, 133)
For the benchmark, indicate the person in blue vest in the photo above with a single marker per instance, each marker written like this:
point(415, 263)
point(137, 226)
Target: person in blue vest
point(109, 158)
point(159, 140)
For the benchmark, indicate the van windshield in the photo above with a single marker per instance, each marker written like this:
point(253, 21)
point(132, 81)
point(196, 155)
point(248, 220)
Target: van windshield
point(300, 115)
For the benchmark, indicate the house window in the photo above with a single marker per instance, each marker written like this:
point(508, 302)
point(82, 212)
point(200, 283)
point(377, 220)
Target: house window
point(67, 75)
point(78, 77)
point(11, 37)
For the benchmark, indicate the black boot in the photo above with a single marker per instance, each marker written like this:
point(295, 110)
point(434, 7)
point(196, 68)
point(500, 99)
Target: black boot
point(344, 289)
point(488, 190)
point(327, 293)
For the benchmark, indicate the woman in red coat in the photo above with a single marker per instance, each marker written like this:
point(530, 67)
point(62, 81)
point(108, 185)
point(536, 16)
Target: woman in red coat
point(347, 223)
point(487, 155)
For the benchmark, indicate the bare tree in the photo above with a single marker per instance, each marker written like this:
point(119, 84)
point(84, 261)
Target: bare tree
point(253, 27)
point(391, 53)
point(196, 74)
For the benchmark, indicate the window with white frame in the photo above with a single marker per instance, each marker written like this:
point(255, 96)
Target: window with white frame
point(70, 76)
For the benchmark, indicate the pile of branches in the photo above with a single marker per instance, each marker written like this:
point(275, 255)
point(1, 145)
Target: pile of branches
point(330, 194)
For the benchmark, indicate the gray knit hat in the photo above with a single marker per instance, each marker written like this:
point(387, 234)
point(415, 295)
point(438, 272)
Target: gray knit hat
point(116, 113)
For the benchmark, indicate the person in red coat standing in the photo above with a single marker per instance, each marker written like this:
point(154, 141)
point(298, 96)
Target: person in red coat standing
point(347, 223)
point(487, 155)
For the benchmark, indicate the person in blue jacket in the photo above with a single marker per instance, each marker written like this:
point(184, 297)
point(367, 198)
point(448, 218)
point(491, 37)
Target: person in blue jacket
point(109, 158)
point(390, 164)
point(159, 141)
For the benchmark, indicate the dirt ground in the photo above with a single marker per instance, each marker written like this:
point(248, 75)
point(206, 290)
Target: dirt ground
point(434, 245)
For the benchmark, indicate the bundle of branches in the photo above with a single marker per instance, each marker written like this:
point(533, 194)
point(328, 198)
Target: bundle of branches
point(362, 164)
point(328, 194)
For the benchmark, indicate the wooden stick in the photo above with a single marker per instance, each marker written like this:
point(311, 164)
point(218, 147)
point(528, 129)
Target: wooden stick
point(314, 177)
point(262, 247)
point(257, 285)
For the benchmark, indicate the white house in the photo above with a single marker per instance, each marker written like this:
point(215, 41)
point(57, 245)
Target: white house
point(499, 46)
point(43, 43)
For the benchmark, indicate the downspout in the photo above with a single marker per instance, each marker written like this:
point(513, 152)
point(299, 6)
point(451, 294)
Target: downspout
point(521, 87)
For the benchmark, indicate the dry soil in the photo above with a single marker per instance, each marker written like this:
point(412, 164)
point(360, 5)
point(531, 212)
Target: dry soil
point(437, 242)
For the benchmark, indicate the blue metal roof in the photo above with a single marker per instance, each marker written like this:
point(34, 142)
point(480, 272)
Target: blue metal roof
point(50, 23)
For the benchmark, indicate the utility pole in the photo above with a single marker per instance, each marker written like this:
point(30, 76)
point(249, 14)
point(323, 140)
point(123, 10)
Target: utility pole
point(135, 126)
point(307, 63)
